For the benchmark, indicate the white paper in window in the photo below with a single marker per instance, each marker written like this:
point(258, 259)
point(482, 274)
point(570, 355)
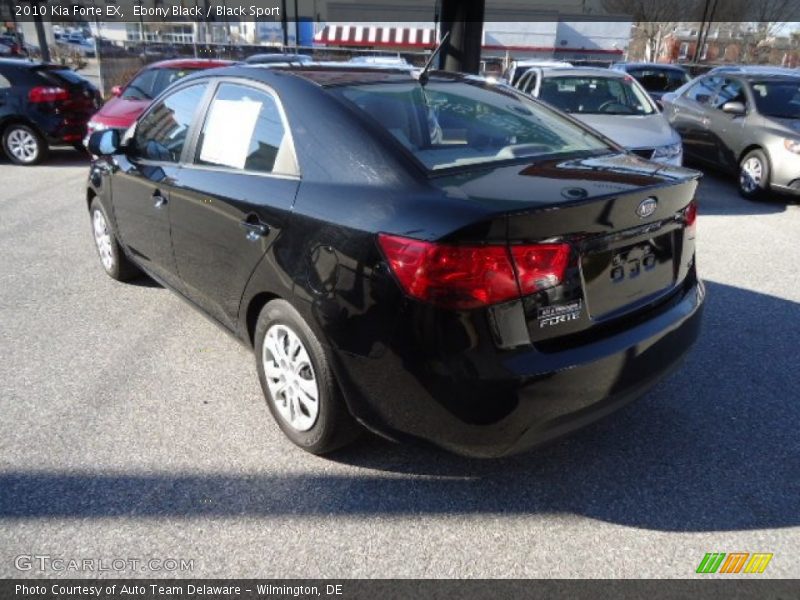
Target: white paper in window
point(229, 129)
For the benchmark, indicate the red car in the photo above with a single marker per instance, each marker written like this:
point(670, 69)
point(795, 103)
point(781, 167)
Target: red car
point(131, 100)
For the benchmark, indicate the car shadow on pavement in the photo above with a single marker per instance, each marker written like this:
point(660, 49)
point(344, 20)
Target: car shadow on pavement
point(718, 196)
point(58, 157)
point(713, 448)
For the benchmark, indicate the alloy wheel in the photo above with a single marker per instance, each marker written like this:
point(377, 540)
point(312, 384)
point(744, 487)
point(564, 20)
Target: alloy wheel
point(290, 377)
point(23, 145)
point(102, 238)
point(751, 174)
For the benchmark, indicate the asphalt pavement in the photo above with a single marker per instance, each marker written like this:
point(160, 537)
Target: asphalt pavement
point(133, 428)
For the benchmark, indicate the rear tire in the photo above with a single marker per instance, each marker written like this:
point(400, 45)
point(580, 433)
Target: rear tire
point(113, 259)
point(298, 382)
point(754, 175)
point(24, 145)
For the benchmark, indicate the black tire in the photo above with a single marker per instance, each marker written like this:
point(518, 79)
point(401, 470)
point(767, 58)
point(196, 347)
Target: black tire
point(334, 427)
point(120, 266)
point(12, 135)
point(748, 187)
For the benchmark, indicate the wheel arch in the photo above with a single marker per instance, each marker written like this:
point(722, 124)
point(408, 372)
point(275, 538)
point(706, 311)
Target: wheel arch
point(748, 150)
point(254, 307)
point(21, 120)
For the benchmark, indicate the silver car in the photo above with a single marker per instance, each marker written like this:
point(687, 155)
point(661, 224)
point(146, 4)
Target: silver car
point(746, 121)
point(613, 103)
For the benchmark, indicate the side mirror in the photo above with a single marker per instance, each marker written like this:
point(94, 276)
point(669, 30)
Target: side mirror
point(116, 91)
point(104, 143)
point(736, 109)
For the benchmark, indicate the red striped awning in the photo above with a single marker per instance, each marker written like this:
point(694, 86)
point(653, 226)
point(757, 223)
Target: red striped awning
point(360, 36)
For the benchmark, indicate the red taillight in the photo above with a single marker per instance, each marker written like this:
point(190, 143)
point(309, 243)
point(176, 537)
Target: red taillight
point(464, 277)
point(540, 266)
point(47, 94)
point(690, 216)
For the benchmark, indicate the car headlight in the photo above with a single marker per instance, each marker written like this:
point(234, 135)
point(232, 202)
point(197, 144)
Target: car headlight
point(792, 145)
point(669, 151)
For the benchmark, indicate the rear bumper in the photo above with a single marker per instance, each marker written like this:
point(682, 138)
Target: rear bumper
point(506, 402)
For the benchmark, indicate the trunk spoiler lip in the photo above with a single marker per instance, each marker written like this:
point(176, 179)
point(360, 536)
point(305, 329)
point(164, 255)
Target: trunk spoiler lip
point(568, 204)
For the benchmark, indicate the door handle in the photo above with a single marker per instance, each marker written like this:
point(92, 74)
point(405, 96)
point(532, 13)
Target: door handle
point(254, 227)
point(158, 200)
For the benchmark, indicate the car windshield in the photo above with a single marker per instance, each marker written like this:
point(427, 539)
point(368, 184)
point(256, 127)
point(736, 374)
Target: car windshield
point(779, 99)
point(454, 123)
point(660, 80)
point(596, 95)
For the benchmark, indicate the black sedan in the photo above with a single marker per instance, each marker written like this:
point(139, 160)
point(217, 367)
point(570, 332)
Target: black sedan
point(442, 258)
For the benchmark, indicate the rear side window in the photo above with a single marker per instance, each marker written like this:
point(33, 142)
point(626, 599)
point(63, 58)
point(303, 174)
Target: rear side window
point(4, 83)
point(63, 76)
point(161, 134)
point(244, 130)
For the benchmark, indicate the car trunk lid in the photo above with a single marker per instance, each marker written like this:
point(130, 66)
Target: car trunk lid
point(624, 219)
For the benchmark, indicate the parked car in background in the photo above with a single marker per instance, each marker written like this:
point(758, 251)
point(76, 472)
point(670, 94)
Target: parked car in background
point(518, 68)
point(14, 46)
point(79, 43)
point(380, 61)
point(131, 99)
point(611, 102)
point(746, 122)
point(275, 58)
point(447, 259)
point(42, 105)
point(656, 78)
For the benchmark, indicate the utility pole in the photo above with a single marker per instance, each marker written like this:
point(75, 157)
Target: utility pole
point(464, 21)
point(284, 25)
point(42, 38)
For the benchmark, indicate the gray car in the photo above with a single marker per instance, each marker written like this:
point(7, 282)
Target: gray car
point(746, 121)
point(611, 102)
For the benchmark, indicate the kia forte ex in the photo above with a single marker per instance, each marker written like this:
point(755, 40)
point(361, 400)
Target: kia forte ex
point(427, 256)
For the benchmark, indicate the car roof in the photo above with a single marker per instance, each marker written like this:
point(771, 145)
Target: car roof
point(543, 62)
point(584, 72)
point(755, 70)
point(29, 64)
point(331, 74)
point(266, 57)
point(649, 65)
point(190, 63)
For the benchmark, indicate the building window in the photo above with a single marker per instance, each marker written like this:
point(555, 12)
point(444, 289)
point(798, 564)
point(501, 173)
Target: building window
point(133, 32)
point(683, 52)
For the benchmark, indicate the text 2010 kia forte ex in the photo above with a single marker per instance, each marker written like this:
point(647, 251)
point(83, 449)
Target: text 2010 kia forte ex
point(427, 256)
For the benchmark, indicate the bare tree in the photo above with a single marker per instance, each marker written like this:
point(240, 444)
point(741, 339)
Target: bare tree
point(652, 20)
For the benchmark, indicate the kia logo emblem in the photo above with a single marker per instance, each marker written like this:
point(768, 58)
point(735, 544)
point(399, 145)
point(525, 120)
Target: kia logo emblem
point(647, 207)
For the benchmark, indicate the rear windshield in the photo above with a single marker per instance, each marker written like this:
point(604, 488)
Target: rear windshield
point(660, 80)
point(596, 95)
point(61, 76)
point(453, 123)
point(779, 99)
